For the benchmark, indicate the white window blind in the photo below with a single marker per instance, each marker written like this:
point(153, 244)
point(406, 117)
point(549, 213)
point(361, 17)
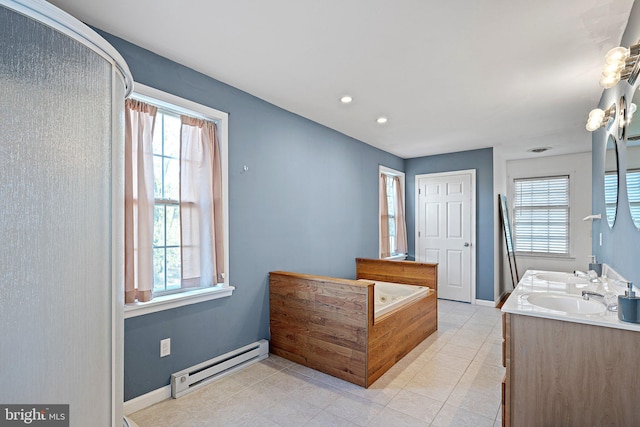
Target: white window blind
point(611, 195)
point(633, 192)
point(541, 215)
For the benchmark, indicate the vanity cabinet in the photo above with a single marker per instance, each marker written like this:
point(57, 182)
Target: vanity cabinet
point(562, 373)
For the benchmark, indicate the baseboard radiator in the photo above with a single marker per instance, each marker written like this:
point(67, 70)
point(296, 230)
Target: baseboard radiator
point(199, 375)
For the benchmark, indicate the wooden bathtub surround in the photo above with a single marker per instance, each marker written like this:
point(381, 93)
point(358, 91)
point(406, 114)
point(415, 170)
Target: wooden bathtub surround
point(328, 324)
point(407, 272)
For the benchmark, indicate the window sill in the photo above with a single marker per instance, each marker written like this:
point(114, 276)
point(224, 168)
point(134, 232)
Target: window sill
point(167, 302)
point(548, 256)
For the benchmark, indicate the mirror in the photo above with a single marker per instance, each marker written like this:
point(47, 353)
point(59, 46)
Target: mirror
point(633, 161)
point(611, 180)
point(506, 227)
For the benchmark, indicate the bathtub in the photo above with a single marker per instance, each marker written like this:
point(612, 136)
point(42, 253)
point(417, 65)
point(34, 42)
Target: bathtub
point(388, 296)
point(355, 330)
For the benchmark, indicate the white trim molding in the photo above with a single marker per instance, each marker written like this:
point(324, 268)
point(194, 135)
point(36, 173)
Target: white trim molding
point(146, 400)
point(167, 302)
point(472, 173)
point(391, 172)
point(180, 105)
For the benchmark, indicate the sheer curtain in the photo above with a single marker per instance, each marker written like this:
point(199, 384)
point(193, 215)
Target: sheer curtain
point(385, 244)
point(139, 200)
point(201, 204)
point(401, 224)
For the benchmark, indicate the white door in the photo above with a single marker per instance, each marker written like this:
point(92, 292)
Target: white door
point(445, 228)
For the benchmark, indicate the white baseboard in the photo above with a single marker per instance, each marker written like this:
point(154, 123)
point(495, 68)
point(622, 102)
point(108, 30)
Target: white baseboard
point(485, 303)
point(138, 403)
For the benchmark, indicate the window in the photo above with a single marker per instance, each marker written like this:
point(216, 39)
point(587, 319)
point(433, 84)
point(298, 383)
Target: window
point(166, 224)
point(393, 240)
point(633, 192)
point(183, 245)
point(541, 215)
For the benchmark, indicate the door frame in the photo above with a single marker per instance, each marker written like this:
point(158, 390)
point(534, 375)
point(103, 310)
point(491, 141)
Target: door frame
point(473, 209)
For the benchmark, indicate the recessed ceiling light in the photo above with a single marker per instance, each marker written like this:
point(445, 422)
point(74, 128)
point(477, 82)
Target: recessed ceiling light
point(381, 120)
point(346, 99)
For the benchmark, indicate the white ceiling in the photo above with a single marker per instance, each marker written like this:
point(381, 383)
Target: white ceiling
point(450, 75)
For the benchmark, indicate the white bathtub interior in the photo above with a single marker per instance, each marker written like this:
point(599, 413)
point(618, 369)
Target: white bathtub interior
point(388, 296)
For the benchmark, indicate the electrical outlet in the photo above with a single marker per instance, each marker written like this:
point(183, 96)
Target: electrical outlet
point(165, 347)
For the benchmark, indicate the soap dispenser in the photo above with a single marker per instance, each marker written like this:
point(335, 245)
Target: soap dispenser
point(595, 266)
point(628, 305)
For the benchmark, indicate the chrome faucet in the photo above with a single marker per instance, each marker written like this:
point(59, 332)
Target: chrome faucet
point(587, 294)
point(609, 300)
point(592, 276)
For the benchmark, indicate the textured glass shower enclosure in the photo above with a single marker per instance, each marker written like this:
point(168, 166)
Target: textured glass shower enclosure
point(61, 201)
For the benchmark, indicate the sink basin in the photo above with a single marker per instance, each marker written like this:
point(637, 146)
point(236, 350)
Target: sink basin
point(566, 303)
point(561, 278)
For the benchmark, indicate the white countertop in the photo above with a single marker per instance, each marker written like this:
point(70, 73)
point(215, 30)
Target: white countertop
point(531, 283)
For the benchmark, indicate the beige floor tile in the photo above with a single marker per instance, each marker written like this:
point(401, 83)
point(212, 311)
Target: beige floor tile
point(453, 378)
point(451, 349)
point(490, 354)
point(435, 383)
point(449, 361)
point(225, 413)
point(293, 413)
point(317, 393)
point(468, 339)
point(451, 416)
point(390, 417)
point(381, 396)
point(355, 409)
point(479, 402)
point(415, 405)
point(326, 419)
point(455, 319)
point(248, 421)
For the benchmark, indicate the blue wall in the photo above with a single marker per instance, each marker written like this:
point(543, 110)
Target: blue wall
point(308, 203)
point(620, 244)
point(482, 162)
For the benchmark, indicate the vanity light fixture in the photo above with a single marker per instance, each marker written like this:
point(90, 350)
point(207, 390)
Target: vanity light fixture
point(598, 118)
point(346, 99)
point(381, 120)
point(621, 64)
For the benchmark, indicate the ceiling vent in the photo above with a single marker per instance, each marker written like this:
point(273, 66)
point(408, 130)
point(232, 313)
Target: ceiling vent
point(539, 150)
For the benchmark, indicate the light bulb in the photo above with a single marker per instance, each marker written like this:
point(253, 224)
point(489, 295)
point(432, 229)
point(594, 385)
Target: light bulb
point(346, 99)
point(381, 120)
point(613, 68)
point(591, 126)
point(596, 114)
point(608, 82)
point(616, 55)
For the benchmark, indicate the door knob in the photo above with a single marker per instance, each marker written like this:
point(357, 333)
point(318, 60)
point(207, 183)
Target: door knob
point(466, 244)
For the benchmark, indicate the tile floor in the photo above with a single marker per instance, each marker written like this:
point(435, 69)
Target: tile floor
point(453, 378)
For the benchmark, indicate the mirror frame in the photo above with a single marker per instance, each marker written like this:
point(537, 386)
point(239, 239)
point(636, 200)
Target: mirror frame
point(508, 238)
point(629, 167)
point(611, 140)
point(621, 120)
